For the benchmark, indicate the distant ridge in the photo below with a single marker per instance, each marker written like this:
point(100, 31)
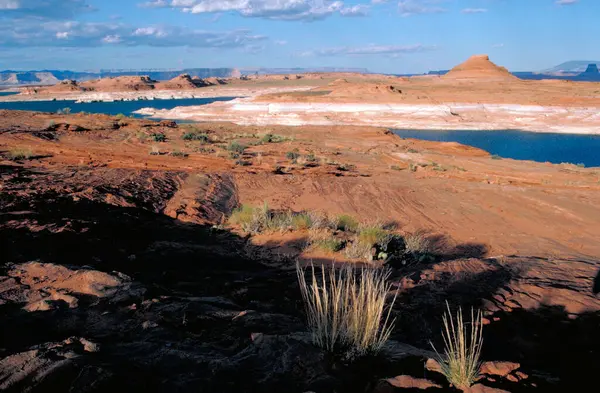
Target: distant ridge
point(573, 66)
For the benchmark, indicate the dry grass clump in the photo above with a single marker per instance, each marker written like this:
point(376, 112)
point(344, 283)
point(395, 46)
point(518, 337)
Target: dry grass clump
point(418, 243)
point(461, 359)
point(19, 153)
point(301, 221)
point(373, 235)
point(346, 308)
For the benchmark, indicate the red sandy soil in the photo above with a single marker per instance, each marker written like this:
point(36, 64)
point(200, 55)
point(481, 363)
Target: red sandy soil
point(519, 241)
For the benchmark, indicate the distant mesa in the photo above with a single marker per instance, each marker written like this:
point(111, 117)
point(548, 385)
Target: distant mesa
point(479, 67)
point(592, 69)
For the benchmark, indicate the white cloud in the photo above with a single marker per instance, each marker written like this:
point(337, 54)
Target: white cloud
point(280, 42)
point(498, 46)
point(47, 9)
point(566, 2)
point(267, 9)
point(473, 10)
point(112, 39)
point(357, 10)
point(33, 33)
point(369, 50)
point(413, 7)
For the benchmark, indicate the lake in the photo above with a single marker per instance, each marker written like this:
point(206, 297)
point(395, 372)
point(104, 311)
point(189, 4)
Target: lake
point(110, 108)
point(521, 145)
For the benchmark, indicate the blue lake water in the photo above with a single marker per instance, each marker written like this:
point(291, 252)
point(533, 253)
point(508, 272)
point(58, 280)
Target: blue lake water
point(109, 108)
point(8, 93)
point(521, 145)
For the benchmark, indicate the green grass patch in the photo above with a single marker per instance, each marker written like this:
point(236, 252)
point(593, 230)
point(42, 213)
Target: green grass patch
point(158, 137)
point(347, 223)
point(195, 136)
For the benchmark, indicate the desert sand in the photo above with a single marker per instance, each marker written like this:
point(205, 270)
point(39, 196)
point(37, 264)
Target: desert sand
point(126, 256)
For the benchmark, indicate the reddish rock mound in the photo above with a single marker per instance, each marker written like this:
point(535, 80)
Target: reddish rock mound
point(181, 82)
point(479, 66)
point(121, 83)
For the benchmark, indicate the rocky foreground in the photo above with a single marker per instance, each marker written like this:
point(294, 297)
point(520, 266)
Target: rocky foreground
point(120, 271)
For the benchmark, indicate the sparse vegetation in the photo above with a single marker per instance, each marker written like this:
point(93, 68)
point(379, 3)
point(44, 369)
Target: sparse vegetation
point(359, 250)
point(243, 162)
point(411, 150)
point(179, 154)
point(347, 223)
point(292, 155)
point(346, 167)
point(396, 168)
point(236, 147)
point(274, 138)
point(418, 243)
point(63, 111)
point(372, 235)
point(120, 116)
point(195, 136)
point(19, 153)
point(346, 309)
point(495, 157)
point(158, 137)
point(301, 221)
point(581, 165)
point(329, 244)
point(460, 362)
point(412, 167)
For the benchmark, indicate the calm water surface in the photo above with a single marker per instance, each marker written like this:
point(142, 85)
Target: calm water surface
point(109, 108)
point(521, 145)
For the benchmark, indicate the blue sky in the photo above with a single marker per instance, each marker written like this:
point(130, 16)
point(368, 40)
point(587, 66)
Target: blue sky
point(401, 36)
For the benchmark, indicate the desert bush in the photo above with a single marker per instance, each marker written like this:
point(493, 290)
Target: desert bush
point(495, 157)
point(178, 153)
point(19, 153)
point(581, 165)
point(292, 155)
point(120, 116)
point(301, 221)
point(63, 111)
point(195, 136)
point(274, 138)
point(395, 168)
point(460, 362)
point(418, 242)
point(346, 167)
point(372, 235)
point(330, 244)
point(251, 219)
point(158, 137)
point(346, 308)
point(347, 223)
point(236, 147)
point(359, 250)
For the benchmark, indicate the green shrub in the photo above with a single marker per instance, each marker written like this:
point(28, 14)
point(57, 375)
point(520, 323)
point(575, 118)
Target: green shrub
point(412, 150)
point(236, 147)
point(158, 137)
point(301, 221)
point(330, 244)
point(495, 157)
point(346, 308)
point(581, 165)
point(273, 138)
point(292, 155)
point(395, 168)
point(347, 223)
point(372, 235)
point(195, 136)
point(251, 219)
point(460, 362)
point(63, 111)
point(120, 116)
point(346, 167)
point(243, 163)
point(19, 153)
point(180, 154)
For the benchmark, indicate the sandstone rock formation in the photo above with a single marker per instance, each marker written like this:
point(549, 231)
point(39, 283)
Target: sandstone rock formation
point(479, 67)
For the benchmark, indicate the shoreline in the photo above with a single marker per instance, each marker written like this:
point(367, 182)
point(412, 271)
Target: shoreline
point(452, 116)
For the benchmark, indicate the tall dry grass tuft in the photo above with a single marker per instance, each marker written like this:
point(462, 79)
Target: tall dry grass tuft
point(461, 359)
point(346, 308)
